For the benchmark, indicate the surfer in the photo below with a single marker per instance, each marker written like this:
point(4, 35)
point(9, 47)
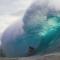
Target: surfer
point(31, 51)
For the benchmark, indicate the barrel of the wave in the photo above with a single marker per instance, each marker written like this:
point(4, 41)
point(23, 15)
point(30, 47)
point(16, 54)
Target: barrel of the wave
point(50, 33)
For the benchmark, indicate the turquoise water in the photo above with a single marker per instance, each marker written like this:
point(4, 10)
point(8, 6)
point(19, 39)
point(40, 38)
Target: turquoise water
point(50, 34)
point(45, 35)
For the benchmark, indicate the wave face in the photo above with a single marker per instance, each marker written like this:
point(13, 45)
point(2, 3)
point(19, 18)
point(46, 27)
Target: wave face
point(42, 32)
point(44, 25)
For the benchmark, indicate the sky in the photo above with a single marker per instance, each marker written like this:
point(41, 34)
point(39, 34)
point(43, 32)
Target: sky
point(55, 3)
point(13, 10)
